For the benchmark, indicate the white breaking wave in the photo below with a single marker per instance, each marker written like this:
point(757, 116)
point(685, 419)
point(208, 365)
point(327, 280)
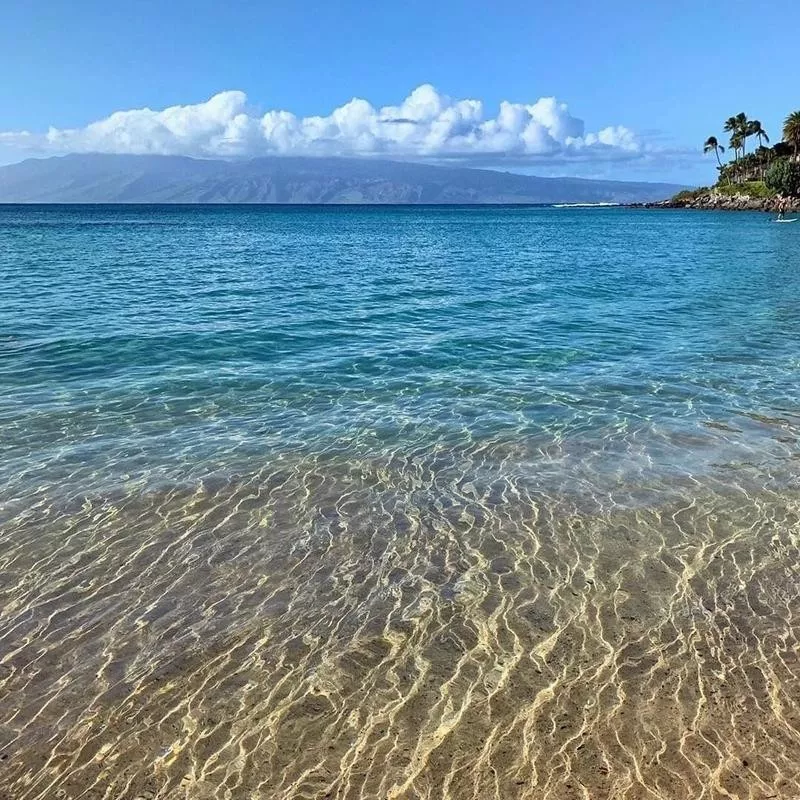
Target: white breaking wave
point(584, 205)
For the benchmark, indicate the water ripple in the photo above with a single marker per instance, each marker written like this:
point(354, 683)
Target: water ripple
point(398, 503)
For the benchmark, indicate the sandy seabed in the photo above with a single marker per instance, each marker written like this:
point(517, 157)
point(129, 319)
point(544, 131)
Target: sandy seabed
point(401, 630)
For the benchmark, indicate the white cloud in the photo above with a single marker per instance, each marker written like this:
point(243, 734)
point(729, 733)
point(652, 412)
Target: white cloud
point(427, 124)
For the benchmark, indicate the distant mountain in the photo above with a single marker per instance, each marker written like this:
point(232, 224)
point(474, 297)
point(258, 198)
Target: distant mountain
point(96, 178)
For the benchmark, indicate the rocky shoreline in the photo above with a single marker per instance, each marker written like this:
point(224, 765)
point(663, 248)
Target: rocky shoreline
point(714, 201)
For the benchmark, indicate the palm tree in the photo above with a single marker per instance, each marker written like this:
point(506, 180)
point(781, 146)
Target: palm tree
point(754, 128)
point(764, 155)
point(712, 144)
point(732, 127)
point(743, 129)
point(736, 144)
point(791, 131)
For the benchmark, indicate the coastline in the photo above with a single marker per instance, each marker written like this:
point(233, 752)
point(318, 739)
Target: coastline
point(716, 201)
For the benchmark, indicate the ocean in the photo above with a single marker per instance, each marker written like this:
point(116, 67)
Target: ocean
point(398, 502)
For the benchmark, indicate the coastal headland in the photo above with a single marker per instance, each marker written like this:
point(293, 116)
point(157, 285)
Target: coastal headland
point(767, 179)
point(711, 200)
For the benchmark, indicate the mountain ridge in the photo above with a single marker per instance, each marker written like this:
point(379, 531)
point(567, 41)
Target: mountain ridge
point(103, 178)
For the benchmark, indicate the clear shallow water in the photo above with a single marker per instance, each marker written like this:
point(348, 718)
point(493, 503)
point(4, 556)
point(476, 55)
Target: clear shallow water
point(440, 502)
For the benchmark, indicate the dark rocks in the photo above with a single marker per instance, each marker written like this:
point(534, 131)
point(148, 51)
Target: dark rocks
point(713, 201)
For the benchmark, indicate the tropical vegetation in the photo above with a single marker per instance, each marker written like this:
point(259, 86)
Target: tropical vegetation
point(764, 170)
point(783, 178)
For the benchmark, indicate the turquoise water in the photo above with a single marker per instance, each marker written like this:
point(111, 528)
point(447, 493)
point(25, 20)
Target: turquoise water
point(161, 343)
point(378, 484)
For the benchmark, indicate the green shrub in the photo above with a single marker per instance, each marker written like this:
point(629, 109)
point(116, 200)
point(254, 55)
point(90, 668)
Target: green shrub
point(750, 188)
point(690, 194)
point(784, 177)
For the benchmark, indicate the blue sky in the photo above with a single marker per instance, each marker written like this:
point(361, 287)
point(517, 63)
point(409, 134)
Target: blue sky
point(657, 76)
